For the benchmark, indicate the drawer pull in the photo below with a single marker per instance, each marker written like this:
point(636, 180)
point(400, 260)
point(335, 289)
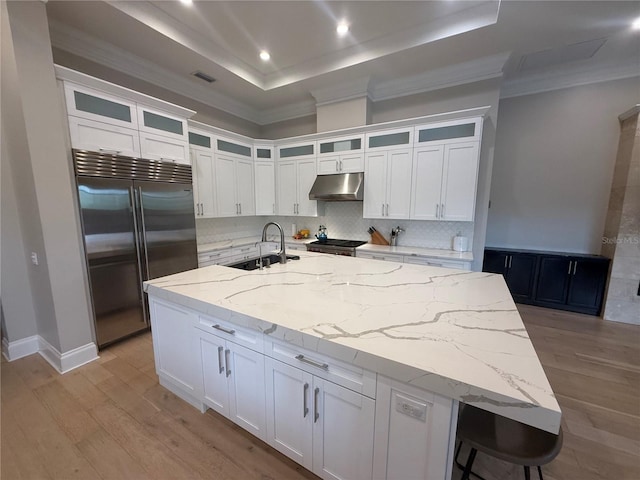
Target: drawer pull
point(222, 329)
point(302, 358)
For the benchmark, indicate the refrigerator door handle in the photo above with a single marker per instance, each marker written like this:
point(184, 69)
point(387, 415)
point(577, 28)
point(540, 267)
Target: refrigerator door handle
point(139, 247)
point(143, 232)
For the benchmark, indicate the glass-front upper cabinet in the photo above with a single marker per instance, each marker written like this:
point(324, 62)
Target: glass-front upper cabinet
point(239, 149)
point(341, 155)
point(390, 139)
point(465, 130)
point(161, 123)
point(296, 150)
point(84, 102)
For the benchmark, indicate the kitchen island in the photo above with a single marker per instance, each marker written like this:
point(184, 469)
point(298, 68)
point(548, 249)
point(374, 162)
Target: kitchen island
point(353, 348)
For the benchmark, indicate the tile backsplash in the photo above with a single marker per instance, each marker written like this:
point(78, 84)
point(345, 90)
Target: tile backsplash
point(343, 220)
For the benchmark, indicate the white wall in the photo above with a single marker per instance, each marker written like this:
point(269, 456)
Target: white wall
point(553, 166)
point(289, 128)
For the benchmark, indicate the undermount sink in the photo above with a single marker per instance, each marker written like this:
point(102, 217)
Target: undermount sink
point(253, 263)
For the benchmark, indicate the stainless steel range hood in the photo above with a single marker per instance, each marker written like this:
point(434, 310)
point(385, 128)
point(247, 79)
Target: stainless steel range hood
point(340, 187)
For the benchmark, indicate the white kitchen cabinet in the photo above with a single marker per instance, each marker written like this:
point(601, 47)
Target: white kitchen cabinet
point(162, 123)
point(387, 190)
point(234, 186)
point(203, 181)
point(324, 427)
point(444, 182)
point(435, 262)
point(175, 361)
point(265, 181)
point(164, 148)
point(414, 432)
point(295, 179)
point(103, 137)
point(233, 382)
point(387, 257)
point(90, 104)
point(341, 155)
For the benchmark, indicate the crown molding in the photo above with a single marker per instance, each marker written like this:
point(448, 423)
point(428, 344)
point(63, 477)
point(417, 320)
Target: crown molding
point(568, 77)
point(103, 53)
point(451, 76)
point(357, 88)
point(634, 111)
point(287, 112)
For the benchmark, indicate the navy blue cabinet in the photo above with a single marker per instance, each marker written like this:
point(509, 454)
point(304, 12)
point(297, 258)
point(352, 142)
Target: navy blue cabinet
point(555, 280)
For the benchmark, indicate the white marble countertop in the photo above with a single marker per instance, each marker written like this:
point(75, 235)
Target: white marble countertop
point(455, 333)
point(418, 251)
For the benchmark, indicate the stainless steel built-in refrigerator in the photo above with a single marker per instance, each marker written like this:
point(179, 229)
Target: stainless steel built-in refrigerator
point(138, 223)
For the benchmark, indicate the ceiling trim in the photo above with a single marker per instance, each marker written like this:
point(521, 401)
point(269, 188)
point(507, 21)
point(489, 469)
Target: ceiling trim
point(451, 76)
point(568, 77)
point(86, 46)
point(356, 88)
point(287, 112)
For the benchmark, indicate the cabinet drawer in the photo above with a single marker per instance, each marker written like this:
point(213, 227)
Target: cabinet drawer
point(380, 256)
point(251, 339)
point(220, 257)
point(244, 253)
point(349, 376)
point(103, 137)
point(159, 147)
point(434, 262)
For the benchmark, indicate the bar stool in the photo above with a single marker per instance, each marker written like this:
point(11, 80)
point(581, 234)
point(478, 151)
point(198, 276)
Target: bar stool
point(505, 439)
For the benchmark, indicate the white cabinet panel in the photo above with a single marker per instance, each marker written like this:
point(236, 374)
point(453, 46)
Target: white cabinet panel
point(375, 185)
point(342, 432)
point(245, 188)
point(103, 137)
point(160, 147)
point(289, 411)
point(95, 105)
point(247, 390)
point(157, 122)
point(214, 379)
point(306, 177)
point(399, 184)
point(353, 162)
point(427, 181)
point(459, 182)
point(226, 186)
point(287, 188)
point(295, 179)
point(265, 182)
point(202, 161)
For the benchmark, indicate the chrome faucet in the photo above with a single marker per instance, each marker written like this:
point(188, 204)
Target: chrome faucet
point(394, 235)
point(281, 253)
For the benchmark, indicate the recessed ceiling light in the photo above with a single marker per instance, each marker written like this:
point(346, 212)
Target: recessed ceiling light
point(343, 28)
point(186, 2)
point(264, 55)
point(636, 24)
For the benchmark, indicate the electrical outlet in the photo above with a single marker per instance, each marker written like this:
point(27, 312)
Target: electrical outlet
point(34, 258)
point(411, 407)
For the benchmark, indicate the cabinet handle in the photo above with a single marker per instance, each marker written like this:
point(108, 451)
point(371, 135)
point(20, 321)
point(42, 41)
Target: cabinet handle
point(437, 209)
point(305, 408)
point(227, 360)
point(340, 165)
point(112, 152)
point(383, 209)
point(510, 260)
point(316, 415)
point(302, 358)
point(337, 166)
point(273, 207)
point(240, 208)
point(387, 209)
point(506, 259)
point(570, 262)
point(377, 258)
point(442, 210)
point(575, 266)
point(222, 329)
point(221, 369)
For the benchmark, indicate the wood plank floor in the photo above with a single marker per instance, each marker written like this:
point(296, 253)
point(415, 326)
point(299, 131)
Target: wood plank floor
point(111, 419)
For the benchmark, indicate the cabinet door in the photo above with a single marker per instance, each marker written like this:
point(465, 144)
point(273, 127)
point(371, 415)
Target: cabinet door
point(215, 387)
point(265, 181)
point(306, 177)
point(246, 389)
point(287, 188)
point(172, 344)
point(495, 262)
point(588, 278)
point(165, 149)
point(427, 183)
point(203, 183)
point(245, 188)
point(458, 198)
point(95, 105)
point(289, 411)
point(375, 185)
point(342, 432)
point(553, 280)
point(226, 186)
point(399, 184)
point(102, 137)
point(521, 275)
point(351, 162)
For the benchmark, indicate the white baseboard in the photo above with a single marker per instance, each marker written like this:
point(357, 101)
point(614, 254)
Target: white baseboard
point(20, 348)
point(64, 362)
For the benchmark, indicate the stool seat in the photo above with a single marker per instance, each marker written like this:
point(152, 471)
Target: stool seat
point(506, 439)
